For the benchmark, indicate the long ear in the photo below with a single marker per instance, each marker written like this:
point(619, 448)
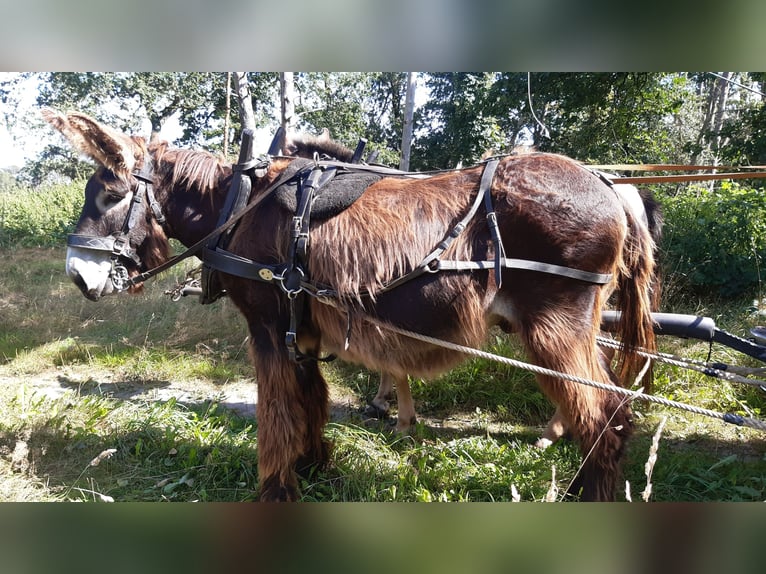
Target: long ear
point(108, 147)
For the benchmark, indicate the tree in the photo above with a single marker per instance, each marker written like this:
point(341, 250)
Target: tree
point(245, 101)
point(127, 100)
point(353, 105)
point(409, 110)
point(462, 125)
point(744, 128)
point(287, 100)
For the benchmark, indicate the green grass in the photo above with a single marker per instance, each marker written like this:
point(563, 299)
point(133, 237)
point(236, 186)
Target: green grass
point(109, 362)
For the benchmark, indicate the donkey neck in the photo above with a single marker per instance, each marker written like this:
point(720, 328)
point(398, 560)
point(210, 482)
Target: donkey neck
point(193, 190)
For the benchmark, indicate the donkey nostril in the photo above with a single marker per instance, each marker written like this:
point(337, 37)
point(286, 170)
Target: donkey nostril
point(78, 280)
point(92, 294)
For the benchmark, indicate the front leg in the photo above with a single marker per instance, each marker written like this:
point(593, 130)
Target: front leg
point(292, 411)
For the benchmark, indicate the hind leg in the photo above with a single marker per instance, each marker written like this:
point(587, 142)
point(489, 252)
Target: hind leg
point(557, 426)
point(562, 338)
point(379, 407)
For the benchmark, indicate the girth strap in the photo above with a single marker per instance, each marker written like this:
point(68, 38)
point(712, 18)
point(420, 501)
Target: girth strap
point(296, 272)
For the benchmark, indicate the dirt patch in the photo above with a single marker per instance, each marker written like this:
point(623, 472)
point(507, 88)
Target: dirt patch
point(239, 396)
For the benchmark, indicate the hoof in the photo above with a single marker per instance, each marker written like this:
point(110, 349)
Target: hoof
point(375, 412)
point(274, 491)
point(543, 443)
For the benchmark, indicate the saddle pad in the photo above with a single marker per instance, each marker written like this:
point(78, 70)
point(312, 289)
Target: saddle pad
point(331, 198)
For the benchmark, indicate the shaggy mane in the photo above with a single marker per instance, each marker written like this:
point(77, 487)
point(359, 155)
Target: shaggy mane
point(189, 169)
point(306, 145)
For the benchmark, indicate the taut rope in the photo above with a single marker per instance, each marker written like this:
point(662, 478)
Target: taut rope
point(730, 418)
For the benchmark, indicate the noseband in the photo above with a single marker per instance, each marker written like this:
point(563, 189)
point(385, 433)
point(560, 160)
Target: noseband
point(118, 245)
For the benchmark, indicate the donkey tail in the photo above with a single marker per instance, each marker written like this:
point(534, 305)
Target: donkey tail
point(637, 294)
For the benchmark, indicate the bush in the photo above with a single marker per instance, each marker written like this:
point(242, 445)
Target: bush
point(716, 239)
point(40, 217)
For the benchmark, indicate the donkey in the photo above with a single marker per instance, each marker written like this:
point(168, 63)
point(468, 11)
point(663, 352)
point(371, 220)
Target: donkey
point(646, 212)
point(555, 242)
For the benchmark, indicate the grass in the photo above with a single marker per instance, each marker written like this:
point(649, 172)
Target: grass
point(84, 382)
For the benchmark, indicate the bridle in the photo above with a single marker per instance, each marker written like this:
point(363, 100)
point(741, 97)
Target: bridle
point(118, 245)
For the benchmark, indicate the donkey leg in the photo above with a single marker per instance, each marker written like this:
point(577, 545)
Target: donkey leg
point(556, 428)
point(379, 407)
point(315, 399)
point(405, 416)
point(597, 419)
point(292, 410)
point(603, 446)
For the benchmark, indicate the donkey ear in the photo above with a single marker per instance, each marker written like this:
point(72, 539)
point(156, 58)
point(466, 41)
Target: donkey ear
point(108, 147)
point(288, 144)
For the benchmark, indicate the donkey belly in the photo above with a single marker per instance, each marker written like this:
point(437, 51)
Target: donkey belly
point(450, 307)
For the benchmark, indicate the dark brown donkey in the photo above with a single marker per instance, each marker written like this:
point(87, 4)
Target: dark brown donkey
point(646, 212)
point(562, 242)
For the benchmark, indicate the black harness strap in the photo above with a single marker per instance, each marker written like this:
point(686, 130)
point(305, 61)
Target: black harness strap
point(485, 190)
point(430, 263)
point(525, 264)
point(295, 274)
point(238, 196)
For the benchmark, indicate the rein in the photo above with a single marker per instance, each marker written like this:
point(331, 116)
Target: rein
point(140, 278)
point(760, 172)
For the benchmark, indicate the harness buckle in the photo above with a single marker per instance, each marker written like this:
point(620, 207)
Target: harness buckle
point(291, 342)
point(291, 281)
point(121, 245)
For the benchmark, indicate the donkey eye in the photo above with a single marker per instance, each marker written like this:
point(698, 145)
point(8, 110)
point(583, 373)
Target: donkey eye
point(108, 199)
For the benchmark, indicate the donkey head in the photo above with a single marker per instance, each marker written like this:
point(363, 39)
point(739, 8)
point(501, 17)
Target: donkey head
point(109, 242)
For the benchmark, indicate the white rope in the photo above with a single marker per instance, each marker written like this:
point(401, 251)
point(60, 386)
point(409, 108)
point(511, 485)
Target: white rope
point(633, 395)
point(693, 364)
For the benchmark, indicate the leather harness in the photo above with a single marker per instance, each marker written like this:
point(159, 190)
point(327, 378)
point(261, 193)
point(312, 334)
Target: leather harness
point(293, 275)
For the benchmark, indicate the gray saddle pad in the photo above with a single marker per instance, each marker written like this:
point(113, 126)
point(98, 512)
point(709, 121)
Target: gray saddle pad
point(332, 197)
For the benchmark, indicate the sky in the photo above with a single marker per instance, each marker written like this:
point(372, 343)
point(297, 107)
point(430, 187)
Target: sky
point(14, 151)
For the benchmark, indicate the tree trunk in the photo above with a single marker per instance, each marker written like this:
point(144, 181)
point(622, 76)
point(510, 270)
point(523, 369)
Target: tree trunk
point(721, 98)
point(242, 88)
point(409, 112)
point(287, 99)
point(709, 136)
point(227, 118)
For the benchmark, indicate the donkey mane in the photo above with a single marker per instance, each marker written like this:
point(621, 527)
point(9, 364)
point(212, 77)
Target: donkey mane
point(306, 145)
point(189, 169)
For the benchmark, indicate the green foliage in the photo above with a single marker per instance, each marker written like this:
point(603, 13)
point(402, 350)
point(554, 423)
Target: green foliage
point(39, 217)
point(462, 126)
point(353, 105)
point(716, 240)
